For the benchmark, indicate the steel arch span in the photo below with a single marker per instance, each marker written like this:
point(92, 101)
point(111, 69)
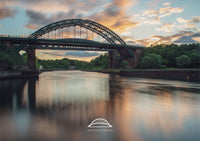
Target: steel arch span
point(99, 29)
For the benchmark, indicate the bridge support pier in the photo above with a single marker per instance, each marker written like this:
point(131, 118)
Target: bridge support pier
point(113, 60)
point(133, 62)
point(31, 58)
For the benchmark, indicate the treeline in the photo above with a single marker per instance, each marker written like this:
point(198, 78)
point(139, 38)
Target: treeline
point(10, 59)
point(173, 56)
point(62, 64)
point(159, 56)
point(101, 62)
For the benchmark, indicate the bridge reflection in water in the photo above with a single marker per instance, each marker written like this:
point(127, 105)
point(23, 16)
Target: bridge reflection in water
point(60, 105)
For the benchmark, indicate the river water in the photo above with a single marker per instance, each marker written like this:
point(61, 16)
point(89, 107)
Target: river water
point(61, 104)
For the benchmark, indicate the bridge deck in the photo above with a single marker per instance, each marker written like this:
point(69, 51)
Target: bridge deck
point(61, 44)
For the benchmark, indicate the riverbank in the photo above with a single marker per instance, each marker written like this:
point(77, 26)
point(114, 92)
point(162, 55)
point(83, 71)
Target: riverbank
point(13, 74)
point(192, 75)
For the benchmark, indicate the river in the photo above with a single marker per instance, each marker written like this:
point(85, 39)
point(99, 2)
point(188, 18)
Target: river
point(61, 104)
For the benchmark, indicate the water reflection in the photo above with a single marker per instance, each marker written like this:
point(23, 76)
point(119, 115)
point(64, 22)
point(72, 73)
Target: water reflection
point(61, 104)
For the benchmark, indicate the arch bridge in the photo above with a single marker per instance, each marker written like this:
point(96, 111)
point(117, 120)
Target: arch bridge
point(60, 36)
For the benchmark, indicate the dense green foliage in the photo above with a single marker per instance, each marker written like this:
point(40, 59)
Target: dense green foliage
point(101, 62)
point(169, 53)
point(151, 61)
point(159, 56)
point(145, 62)
point(62, 64)
point(195, 59)
point(9, 59)
point(124, 64)
point(55, 64)
point(183, 61)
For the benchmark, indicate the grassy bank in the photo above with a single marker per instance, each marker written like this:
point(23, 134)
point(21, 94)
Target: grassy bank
point(140, 69)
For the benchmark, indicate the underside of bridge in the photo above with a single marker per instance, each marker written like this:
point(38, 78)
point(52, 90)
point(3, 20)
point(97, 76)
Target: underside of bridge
point(115, 58)
point(132, 61)
point(31, 58)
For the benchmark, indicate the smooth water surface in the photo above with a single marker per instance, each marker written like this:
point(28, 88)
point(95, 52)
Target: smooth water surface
point(61, 104)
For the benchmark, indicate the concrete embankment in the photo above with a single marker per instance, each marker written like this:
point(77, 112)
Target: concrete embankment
point(8, 74)
point(183, 75)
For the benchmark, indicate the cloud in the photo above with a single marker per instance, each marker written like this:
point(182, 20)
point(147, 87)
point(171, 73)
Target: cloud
point(31, 26)
point(182, 37)
point(71, 53)
point(44, 6)
point(167, 11)
point(166, 27)
point(181, 20)
point(81, 54)
point(185, 40)
point(166, 3)
point(38, 19)
point(154, 3)
point(115, 16)
point(153, 17)
point(170, 10)
point(185, 26)
point(129, 40)
point(150, 13)
point(54, 53)
point(5, 11)
point(193, 20)
point(196, 35)
point(188, 24)
point(125, 3)
point(112, 14)
point(55, 6)
point(162, 12)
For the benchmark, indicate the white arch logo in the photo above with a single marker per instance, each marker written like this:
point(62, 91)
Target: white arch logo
point(99, 123)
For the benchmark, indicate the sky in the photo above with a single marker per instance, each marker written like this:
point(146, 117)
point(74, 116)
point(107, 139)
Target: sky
point(142, 22)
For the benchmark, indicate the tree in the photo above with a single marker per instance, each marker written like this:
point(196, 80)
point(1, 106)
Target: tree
point(124, 64)
point(156, 60)
point(10, 58)
point(195, 59)
point(151, 61)
point(145, 62)
point(183, 61)
point(171, 56)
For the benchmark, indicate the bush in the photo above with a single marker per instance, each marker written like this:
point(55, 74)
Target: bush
point(195, 59)
point(151, 61)
point(124, 64)
point(145, 62)
point(183, 61)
